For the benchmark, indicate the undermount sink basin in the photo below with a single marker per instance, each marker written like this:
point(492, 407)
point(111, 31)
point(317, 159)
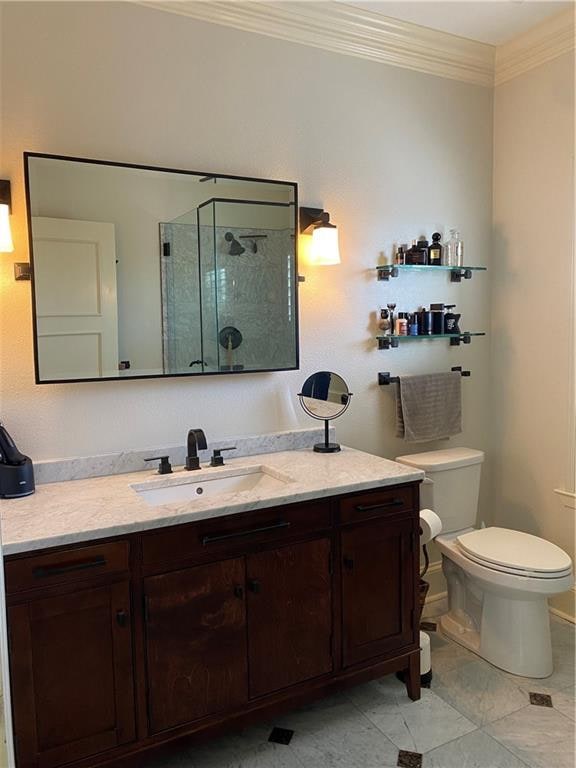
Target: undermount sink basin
point(201, 485)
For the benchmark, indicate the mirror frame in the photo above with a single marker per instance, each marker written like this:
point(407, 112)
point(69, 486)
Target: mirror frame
point(27, 155)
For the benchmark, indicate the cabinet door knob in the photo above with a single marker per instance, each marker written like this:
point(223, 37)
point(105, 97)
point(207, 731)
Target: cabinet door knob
point(348, 563)
point(122, 618)
point(254, 586)
point(239, 591)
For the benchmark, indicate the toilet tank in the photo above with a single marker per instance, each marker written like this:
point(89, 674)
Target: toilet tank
point(452, 484)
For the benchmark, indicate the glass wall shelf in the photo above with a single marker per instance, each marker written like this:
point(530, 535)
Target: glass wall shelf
point(387, 342)
point(386, 271)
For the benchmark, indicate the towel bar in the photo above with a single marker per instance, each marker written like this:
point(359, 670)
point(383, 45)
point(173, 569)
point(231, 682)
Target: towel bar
point(384, 378)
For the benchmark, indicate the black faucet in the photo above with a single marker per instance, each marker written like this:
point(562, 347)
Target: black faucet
point(196, 442)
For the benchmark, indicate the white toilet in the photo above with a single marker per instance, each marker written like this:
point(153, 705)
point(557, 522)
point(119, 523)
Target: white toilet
point(498, 580)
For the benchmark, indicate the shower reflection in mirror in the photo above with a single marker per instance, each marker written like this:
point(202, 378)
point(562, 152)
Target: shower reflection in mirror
point(242, 277)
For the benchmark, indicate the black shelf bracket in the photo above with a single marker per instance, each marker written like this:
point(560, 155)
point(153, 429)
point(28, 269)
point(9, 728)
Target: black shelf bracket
point(456, 275)
point(464, 338)
point(386, 271)
point(387, 342)
point(384, 378)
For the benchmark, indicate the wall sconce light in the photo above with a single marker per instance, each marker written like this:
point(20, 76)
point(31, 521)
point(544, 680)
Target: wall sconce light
point(6, 244)
point(324, 249)
point(21, 270)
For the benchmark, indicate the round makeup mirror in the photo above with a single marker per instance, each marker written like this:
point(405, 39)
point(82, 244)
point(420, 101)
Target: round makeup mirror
point(325, 396)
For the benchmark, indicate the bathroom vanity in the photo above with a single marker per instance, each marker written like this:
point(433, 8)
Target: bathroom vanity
point(133, 624)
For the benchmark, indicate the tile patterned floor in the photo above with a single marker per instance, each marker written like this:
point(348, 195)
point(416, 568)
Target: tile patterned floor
point(473, 716)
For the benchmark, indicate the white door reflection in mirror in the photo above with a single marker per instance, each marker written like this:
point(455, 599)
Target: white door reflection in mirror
point(76, 301)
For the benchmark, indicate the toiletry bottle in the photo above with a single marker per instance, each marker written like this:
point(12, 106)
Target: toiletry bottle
point(435, 250)
point(454, 250)
point(384, 321)
point(401, 254)
point(422, 247)
point(437, 311)
point(451, 320)
point(426, 322)
point(413, 324)
point(411, 254)
point(391, 307)
point(401, 324)
point(420, 321)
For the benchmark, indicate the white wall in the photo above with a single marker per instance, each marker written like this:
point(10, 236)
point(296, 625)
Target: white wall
point(388, 152)
point(533, 315)
point(6, 735)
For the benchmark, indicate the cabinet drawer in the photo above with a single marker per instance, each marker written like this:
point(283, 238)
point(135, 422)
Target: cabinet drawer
point(392, 500)
point(234, 534)
point(68, 566)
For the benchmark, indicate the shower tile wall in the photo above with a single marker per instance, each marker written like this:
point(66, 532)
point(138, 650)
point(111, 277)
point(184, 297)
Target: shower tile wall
point(251, 292)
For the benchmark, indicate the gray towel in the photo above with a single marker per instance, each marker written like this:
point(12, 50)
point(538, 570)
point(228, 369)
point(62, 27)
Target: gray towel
point(429, 407)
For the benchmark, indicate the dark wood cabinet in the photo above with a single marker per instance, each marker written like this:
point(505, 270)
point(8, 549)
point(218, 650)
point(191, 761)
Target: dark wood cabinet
point(196, 642)
point(378, 583)
point(71, 658)
point(289, 615)
point(119, 646)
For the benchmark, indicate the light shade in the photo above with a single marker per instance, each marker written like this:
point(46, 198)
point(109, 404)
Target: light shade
point(324, 249)
point(6, 244)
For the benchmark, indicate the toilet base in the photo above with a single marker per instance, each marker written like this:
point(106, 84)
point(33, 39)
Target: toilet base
point(508, 628)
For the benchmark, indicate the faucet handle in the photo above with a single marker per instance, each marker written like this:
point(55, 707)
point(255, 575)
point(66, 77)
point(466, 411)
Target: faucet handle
point(165, 468)
point(217, 459)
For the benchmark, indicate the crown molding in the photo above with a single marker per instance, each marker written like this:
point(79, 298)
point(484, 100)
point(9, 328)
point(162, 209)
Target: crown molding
point(544, 42)
point(349, 30)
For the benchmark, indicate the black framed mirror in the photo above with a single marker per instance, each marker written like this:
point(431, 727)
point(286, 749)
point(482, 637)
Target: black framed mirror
point(325, 396)
point(141, 271)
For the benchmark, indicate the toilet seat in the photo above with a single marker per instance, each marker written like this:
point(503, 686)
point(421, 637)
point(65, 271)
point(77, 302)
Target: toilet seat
point(515, 552)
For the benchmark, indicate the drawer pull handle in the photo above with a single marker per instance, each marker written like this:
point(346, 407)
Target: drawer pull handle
point(239, 592)
point(382, 505)
point(251, 532)
point(254, 586)
point(45, 571)
point(122, 618)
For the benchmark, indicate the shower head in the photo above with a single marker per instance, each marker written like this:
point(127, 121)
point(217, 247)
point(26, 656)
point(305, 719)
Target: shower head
point(236, 249)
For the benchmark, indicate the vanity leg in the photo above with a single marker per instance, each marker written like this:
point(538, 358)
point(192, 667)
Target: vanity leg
point(413, 676)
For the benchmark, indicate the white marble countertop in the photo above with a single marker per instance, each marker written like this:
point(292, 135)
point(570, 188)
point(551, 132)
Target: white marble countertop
point(73, 511)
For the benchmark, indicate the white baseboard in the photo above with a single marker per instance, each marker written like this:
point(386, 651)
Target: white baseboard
point(562, 605)
point(436, 598)
point(562, 615)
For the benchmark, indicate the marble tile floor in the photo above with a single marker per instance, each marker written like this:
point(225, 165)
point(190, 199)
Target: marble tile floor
point(473, 716)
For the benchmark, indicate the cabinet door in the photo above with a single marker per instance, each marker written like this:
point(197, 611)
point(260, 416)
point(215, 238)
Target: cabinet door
point(196, 642)
point(72, 678)
point(379, 567)
point(289, 615)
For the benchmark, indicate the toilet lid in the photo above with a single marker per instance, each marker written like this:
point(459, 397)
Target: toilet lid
point(515, 550)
